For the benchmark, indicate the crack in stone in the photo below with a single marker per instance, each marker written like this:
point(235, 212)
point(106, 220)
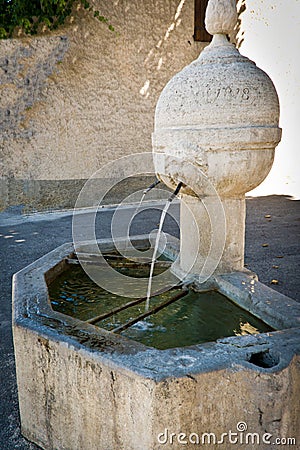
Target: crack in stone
point(188, 375)
point(260, 416)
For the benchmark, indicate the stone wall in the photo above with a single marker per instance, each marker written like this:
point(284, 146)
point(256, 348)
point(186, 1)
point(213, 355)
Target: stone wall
point(78, 98)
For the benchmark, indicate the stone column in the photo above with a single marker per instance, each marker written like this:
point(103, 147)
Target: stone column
point(200, 241)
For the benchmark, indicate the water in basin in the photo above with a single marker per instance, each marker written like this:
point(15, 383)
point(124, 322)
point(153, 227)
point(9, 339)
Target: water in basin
point(193, 319)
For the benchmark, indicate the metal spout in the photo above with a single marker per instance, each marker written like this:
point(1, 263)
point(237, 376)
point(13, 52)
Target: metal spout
point(151, 186)
point(179, 186)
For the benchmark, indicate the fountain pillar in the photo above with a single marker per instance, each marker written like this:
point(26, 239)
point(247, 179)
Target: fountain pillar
point(196, 232)
point(219, 116)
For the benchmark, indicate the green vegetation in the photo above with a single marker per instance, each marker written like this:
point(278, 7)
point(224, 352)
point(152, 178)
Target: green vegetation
point(32, 15)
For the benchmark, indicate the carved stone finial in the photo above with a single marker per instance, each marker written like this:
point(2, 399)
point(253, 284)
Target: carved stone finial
point(221, 16)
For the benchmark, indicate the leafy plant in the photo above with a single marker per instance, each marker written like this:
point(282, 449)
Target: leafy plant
point(31, 15)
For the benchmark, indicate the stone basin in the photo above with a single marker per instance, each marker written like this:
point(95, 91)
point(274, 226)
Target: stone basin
point(81, 387)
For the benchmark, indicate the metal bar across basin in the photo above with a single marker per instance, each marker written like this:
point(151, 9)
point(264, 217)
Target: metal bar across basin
point(107, 314)
point(148, 313)
point(117, 262)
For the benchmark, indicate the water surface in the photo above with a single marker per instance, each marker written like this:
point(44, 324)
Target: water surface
point(194, 319)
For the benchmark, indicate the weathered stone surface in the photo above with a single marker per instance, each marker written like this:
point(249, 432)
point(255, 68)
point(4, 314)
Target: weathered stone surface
point(219, 18)
point(87, 96)
point(221, 113)
point(36, 195)
point(26, 66)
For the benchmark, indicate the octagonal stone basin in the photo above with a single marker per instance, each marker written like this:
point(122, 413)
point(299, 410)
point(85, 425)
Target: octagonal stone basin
point(82, 387)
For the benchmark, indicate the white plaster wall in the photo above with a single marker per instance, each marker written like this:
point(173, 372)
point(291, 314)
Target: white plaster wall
point(272, 39)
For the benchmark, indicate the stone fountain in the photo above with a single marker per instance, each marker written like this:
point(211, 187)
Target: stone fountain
point(221, 115)
point(81, 387)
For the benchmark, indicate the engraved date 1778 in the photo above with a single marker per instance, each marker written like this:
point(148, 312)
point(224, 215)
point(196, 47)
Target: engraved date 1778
point(232, 94)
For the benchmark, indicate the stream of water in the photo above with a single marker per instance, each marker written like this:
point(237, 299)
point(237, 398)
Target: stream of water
point(161, 223)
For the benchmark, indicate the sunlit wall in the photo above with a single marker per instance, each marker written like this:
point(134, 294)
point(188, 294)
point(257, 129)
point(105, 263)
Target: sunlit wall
point(272, 39)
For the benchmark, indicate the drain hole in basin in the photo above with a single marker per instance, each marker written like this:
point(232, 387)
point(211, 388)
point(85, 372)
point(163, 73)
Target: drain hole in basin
point(264, 359)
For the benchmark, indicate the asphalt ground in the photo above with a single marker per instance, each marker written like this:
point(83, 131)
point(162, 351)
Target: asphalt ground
point(271, 250)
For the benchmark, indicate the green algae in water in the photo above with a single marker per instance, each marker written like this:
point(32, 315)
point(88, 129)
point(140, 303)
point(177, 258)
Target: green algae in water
point(194, 319)
point(73, 293)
